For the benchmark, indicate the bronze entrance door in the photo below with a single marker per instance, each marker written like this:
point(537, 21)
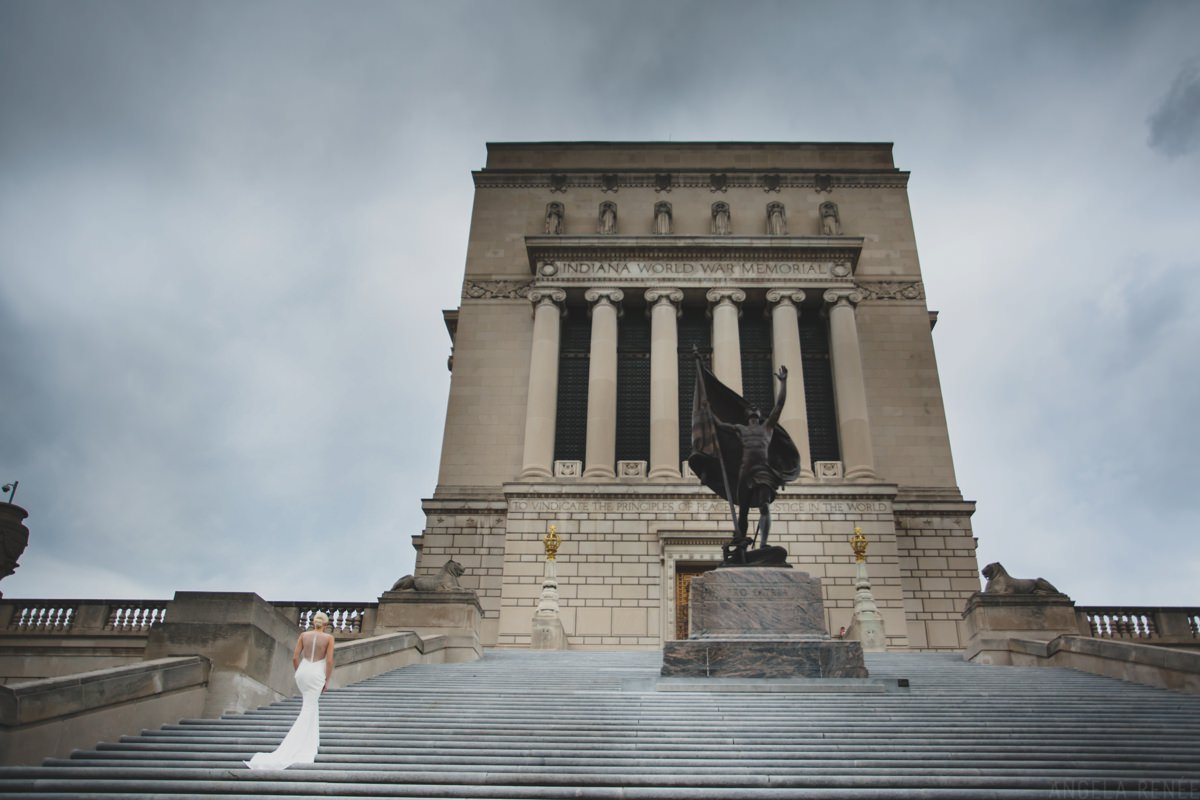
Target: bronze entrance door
point(683, 580)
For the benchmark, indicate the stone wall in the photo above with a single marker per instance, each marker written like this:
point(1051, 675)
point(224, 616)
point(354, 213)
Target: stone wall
point(938, 570)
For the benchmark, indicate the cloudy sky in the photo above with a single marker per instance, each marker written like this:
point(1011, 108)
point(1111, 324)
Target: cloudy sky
point(228, 230)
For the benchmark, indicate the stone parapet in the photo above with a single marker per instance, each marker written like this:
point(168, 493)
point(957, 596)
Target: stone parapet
point(994, 616)
point(54, 716)
point(248, 642)
point(428, 613)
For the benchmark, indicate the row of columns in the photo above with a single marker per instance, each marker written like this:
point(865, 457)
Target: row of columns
point(664, 307)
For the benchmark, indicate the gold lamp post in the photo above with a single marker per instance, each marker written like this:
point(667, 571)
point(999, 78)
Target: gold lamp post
point(551, 541)
point(859, 543)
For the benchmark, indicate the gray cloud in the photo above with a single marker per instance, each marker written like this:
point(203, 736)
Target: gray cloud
point(1175, 124)
point(227, 232)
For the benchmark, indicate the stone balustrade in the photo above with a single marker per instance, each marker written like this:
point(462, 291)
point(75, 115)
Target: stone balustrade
point(1147, 624)
point(346, 620)
point(81, 618)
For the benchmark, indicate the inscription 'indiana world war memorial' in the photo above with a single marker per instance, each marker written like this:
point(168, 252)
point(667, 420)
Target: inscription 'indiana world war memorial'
point(602, 280)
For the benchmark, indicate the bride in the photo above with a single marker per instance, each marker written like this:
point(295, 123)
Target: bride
point(313, 661)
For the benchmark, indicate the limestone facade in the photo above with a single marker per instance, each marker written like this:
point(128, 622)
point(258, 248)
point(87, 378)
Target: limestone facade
point(570, 395)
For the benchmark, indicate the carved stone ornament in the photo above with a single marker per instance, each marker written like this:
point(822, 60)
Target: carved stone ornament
point(496, 290)
point(828, 470)
point(662, 182)
point(771, 182)
point(608, 182)
point(607, 222)
point(721, 225)
point(718, 182)
point(554, 219)
point(558, 183)
point(568, 469)
point(892, 290)
point(822, 183)
point(631, 469)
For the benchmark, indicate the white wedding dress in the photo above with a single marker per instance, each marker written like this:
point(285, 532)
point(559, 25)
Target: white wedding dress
point(301, 743)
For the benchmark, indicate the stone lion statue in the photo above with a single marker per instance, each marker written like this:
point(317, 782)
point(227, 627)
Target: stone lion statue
point(444, 581)
point(1000, 582)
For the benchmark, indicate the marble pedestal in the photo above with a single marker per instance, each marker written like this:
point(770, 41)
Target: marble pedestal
point(759, 622)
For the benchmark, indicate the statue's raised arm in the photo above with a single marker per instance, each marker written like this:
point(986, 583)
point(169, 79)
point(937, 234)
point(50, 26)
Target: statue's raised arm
point(773, 418)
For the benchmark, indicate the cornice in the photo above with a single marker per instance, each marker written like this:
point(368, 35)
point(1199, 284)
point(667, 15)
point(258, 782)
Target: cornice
point(768, 181)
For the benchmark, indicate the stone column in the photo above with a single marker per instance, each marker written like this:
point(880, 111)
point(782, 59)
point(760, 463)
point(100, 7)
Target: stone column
point(663, 306)
point(849, 388)
point(602, 385)
point(726, 343)
point(542, 403)
point(785, 352)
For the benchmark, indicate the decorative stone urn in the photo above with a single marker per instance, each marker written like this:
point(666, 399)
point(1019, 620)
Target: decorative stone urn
point(14, 537)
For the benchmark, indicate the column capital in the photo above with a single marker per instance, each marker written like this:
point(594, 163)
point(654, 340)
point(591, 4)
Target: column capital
point(659, 295)
point(722, 295)
point(538, 297)
point(600, 294)
point(838, 297)
point(791, 296)
point(548, 293)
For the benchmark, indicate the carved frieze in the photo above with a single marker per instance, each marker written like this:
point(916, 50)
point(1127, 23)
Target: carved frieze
point(892, 290)
point(496, 290)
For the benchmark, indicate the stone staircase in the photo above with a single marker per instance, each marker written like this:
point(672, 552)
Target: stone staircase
point(522, 724)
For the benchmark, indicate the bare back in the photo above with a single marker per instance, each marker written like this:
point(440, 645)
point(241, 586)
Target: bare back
point(314, 645)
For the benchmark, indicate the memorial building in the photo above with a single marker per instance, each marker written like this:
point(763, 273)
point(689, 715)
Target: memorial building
point(593, 273)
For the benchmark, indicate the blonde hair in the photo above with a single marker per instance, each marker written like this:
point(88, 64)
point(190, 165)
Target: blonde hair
point(320, 620)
